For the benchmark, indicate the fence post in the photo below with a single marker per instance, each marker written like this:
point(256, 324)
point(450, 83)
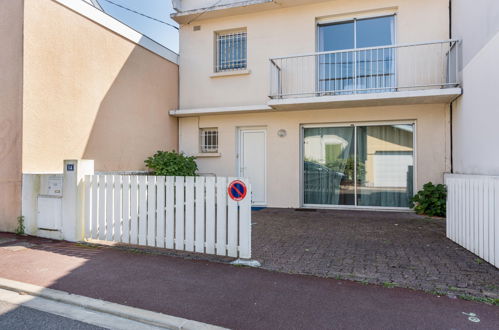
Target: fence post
point(245, 225)
point(73, 195)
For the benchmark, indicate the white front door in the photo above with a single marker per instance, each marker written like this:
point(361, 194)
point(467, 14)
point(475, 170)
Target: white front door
point(253, 162)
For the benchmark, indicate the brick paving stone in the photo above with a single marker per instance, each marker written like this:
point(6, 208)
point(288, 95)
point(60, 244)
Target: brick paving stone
point(374, 247)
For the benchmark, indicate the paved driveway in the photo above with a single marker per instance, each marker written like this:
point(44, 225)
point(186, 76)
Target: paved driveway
point(233, 297)
point(401, 249)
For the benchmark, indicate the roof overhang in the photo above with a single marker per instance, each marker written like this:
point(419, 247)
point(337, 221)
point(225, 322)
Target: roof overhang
point(220, 111)
point(234, 8)
point(428, 96)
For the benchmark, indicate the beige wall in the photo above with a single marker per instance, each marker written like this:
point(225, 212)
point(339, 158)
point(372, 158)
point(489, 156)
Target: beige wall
point(11, 30)
point(283, 154)
point(89, 93)
point(282, 32)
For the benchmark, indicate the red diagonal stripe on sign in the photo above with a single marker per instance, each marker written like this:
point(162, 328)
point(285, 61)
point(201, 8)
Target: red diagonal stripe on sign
point(238, 191)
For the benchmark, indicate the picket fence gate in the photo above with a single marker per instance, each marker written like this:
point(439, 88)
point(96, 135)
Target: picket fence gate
point(182, 213)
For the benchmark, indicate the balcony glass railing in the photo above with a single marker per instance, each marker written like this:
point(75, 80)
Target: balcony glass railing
point(366, 70)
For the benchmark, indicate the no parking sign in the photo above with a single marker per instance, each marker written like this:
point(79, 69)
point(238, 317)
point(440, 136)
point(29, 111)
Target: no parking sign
point(237, 190)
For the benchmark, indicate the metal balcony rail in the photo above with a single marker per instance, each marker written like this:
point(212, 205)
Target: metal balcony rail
point(392, 68)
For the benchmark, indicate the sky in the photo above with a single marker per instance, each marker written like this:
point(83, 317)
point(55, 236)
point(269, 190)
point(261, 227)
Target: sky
point(159, 9)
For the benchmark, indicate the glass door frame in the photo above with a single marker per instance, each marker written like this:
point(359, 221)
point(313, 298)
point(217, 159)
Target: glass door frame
point(355, 125)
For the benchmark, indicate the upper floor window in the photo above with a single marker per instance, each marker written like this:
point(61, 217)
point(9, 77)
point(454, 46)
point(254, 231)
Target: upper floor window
point(231, 51)
point(344, 69)
point(357, 33)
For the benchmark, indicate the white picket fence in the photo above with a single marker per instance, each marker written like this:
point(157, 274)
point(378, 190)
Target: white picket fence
point(181, 213)
point(473, 214)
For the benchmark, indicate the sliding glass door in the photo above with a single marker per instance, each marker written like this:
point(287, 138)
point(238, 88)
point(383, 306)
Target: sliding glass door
point(345, 68)
point(365, 165)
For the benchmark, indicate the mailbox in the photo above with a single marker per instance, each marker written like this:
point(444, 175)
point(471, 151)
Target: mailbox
point(49, 202)
point(51, 185)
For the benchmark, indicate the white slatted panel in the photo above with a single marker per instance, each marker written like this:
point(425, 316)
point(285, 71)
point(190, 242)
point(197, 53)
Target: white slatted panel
point(160, 216)
point(88, 207)
point(126, 209)
point(473, 214)
point(210, 215)
point(117, 208)
point(189, 213)
point(179, 213)
point(489, 225)
point(134, 210)
point(199, 226)
point(449, 229)
point(142, 235)
point(245, 226)
point(170, 213)
point(109, 207)
point(95, 206)
point(232, 226)
point(221, 216)
point(151, 211)
point(480, 219)
point(102, 207)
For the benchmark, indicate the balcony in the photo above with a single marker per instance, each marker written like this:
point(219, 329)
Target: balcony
point(416, 73)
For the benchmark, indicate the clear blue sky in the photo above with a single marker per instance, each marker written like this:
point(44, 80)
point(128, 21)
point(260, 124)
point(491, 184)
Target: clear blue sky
point(159, 9)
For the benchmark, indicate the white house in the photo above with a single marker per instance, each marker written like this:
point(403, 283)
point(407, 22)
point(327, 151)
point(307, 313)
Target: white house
point(319, 103)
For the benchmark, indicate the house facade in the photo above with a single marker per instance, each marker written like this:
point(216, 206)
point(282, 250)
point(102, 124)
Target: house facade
point(319, 103)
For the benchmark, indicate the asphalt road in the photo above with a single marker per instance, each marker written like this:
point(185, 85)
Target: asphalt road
point(14, 317)
point(234, 297)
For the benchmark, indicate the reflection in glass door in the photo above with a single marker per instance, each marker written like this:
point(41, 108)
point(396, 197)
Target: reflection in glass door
point(350, 63)
point(328, 165)
point(358, 165)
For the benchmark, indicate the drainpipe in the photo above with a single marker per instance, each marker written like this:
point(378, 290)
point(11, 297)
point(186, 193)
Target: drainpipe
point(451, 103)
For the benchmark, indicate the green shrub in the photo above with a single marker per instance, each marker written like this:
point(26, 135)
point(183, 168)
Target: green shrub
point(430, 200)
point(20, 225)
point(171, 163)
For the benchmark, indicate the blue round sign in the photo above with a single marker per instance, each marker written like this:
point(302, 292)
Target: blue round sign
point(237, 190)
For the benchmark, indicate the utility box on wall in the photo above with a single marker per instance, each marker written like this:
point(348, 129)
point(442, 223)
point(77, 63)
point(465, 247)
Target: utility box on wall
point(49, 211)
point(49, 202)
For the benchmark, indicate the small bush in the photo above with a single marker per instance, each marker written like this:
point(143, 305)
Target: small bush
point(20, 226)
point(430, 200)
point(171, 163)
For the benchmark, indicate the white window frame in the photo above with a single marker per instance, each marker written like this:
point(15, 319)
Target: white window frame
point(237, 64)
point(355, 18)
point(356, 124)
point(207, 133)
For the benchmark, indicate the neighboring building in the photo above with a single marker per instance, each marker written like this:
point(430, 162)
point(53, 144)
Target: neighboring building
point(473, 200)
point(476, 112)
point(76, 83)
point(319, 103)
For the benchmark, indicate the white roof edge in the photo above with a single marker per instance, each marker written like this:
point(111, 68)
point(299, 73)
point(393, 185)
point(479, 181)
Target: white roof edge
point(219, 110)
point(216, 7)
point(94, 14)
point(97, 4)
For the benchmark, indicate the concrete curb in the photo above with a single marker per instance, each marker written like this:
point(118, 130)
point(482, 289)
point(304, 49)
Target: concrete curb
point(127, 312)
